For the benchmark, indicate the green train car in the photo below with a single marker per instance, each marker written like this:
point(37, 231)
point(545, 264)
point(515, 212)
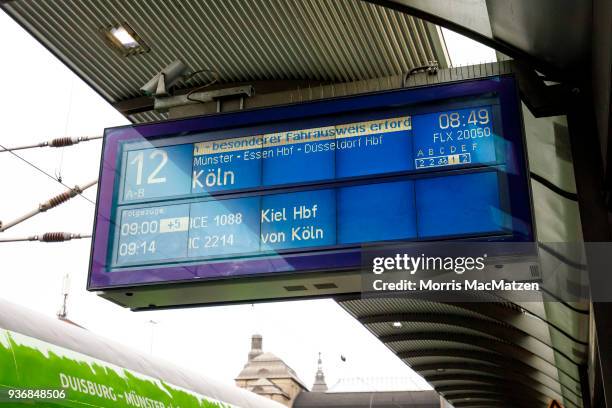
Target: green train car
point(49, 363)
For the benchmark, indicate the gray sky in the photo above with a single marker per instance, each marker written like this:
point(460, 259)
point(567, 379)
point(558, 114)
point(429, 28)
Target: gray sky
point(42, 99)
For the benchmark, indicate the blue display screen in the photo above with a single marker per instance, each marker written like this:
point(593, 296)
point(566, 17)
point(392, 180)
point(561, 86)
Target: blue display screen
point(457, 205)
point(327, 177)
point(460, 136)
point(209, 224)
point(391, 144)
point(157, 173)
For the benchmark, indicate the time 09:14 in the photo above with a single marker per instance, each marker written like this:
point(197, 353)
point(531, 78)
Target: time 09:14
point(140, 248)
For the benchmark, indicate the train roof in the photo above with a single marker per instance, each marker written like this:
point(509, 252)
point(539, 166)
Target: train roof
point(29, 323)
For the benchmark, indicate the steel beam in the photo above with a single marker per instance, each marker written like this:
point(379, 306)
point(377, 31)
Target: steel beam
point(490, 344)
point(595, 219)
point(494, 359)
point(503, 373)
point(497, 329)
point(461, 369)
point(478, 400)
point(471, 19)
point(478, 380)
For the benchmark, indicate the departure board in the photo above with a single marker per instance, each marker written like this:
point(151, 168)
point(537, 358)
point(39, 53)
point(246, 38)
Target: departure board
point(311, 218)
point(319, 178)
point(460, 137)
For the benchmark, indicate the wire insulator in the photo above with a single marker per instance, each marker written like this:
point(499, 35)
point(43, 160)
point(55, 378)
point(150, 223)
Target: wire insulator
point(61, 142)
point(54, 202)
point(55, 237)
point(57, 200)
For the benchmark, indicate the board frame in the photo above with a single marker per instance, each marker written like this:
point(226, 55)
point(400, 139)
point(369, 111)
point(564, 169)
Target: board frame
point(313, 262)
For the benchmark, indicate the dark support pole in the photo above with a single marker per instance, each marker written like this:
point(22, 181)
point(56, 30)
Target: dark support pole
point(588, 169)
point(584, 383)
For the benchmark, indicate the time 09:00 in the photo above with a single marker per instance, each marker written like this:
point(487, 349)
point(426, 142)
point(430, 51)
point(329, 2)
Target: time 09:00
point(152, 227)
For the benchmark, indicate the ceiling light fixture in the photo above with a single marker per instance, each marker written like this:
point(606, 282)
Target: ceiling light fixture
point(124, 40)
point(397, 325)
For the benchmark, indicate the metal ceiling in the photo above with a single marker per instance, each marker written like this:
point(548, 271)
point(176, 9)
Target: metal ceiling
point(490, 353)
point(322, 40)
point(519, 28)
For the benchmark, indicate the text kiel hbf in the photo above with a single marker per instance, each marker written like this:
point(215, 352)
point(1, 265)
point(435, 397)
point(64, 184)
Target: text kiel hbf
point(297, 232)
point(301, 212)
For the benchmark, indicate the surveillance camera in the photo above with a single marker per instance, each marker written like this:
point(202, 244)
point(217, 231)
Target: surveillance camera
point(159, 84)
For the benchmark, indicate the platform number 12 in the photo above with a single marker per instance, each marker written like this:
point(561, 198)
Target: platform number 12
point(153, 178)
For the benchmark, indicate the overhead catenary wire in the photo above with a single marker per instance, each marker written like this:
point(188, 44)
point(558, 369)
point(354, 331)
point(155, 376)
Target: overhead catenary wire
point(48, 237)
point(29, 163)
point(57, 142)
point(66, 123)
point(47, 205)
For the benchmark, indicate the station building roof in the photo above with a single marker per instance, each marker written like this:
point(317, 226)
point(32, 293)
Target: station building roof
point(268, 365)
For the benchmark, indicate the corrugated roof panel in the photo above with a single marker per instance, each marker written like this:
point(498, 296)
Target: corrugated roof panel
point(417, 345)
point(367, 307)
point(442, 359)
point(150, 116)
point(442, 343)
point(326, 40)
point(384, 329)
